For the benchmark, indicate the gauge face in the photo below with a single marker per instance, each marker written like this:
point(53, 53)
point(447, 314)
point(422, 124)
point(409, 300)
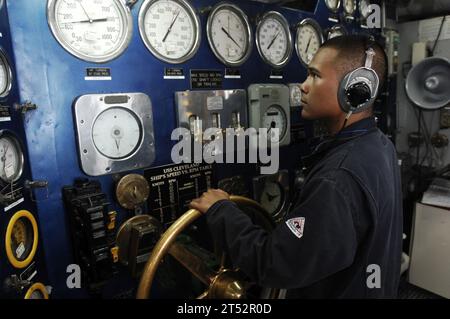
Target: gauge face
point(116, 133)
point(229, 34)
point(11, 158)
point(349, 7)
point(336, 31)
point(94, 31)
point(275, 117)
point(364, 9)
point(21, 239)
point(170, 29)
point(5, 75)
point(274, 40)
point(333, 5)
point(272, 197)
point(308, 40)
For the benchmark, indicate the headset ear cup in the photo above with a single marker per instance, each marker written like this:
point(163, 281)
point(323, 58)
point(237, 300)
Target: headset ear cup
point(358, 94)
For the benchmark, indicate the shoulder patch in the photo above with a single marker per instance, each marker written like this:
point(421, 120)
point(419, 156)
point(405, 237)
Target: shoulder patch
point(296, 225)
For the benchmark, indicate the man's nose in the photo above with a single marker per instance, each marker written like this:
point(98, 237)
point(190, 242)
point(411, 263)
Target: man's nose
point(304, 87)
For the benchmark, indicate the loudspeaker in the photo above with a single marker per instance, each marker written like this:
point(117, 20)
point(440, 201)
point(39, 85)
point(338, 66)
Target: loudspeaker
point(428, 83)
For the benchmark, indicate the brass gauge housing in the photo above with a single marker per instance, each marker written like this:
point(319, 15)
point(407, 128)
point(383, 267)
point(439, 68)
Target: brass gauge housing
point(132, 190)
point(21, 239)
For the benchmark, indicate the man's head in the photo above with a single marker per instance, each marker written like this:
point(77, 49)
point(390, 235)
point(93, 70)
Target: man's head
point(335, 58)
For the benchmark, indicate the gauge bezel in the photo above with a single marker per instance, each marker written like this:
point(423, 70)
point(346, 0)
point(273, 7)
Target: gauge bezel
point(364, 17)
point(249, 43)
point(300, 25)
point(127, 22)
point(36, 287)
point(10, 254)
point(285, 117)
point(334, 10)
point(284, 23)
point(336, 27)
point(351, 13)
point(19, 149)
point(9, 74)
point(192, 15)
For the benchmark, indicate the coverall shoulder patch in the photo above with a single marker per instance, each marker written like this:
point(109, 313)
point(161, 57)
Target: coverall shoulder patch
point(296, 225)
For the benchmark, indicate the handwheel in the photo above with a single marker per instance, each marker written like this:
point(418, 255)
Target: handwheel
point(225, 283)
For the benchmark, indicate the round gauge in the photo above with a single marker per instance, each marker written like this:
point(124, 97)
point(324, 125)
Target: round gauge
point(333, 5)
point(116, 132)
point(21, 239)
point(272, 197)
point(308, 40)
point(132, 190)
point(36, 291)
point(295, 94)
point(94, 31)
point(5, 75)
point(336, 31)
point(273, 39)
point(170, 29)
point(364, 9)
point(275, 117)
point(11, 157)
point(229, 34)
point(349, 7)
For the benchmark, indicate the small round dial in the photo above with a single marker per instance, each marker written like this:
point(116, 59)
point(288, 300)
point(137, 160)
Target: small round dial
point(116, 132)
point(333, 5)
point(170, 29)
point(94, 31)
point(5, 75)
point(349, 7)
point(364, 9)
point(308, 40)
point(11, 158)
point(295, 94)
point(336, 31)
point(273, 118)
point(273, 38)
point(272, 197)
point(229, 34)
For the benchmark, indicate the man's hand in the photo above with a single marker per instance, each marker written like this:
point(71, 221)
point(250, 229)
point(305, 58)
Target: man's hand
point(208, 199)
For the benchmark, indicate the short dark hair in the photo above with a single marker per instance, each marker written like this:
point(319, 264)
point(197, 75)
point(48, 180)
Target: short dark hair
point(352, 54)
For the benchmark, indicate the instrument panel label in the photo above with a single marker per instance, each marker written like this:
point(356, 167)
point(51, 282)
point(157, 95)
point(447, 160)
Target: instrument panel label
point(5, 113)
point(98, 74)
point(206, 79)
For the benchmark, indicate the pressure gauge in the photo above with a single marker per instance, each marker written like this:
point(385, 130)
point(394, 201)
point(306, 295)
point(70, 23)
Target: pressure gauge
point(295, 94)
point(229, 34)
point(116, 132)
point(364, 9)
point(170, 29)
point(308, 40)
point(273, 39)
point(272, 197)
point(333, 5)
point(275, 117)
point(36, 291)
point(21, 239)
point(336, 31)
point(95, 31)
point(349, 7)
point(5, 75)
point(11, 157)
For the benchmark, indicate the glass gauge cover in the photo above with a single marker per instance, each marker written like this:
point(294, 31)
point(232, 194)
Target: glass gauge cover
point(333, 5)
point(349, 7)
point(308, 40)
point(11, 158)
point(229, 34)
point(272, 197)
point(5, 75)
point(275, 117)
point(170, 29)
point(273, 39)
point(95, 31)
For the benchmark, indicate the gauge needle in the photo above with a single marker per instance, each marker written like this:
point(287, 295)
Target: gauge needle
point(117, 143)
point(90, 21)
point(5, 149)
point(307, 46)
point(271, 197)
point(85, 12)
point(273, 40)
point(228, 35)
point(171, 25)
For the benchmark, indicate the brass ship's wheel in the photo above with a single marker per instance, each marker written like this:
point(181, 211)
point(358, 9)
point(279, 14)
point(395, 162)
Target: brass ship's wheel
point(227, 282)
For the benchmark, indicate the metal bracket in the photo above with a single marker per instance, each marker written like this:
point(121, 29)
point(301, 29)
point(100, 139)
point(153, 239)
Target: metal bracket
point(25, 107)
point(31, 185)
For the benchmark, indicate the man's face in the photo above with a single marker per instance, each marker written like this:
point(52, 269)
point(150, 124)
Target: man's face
point(319, 91)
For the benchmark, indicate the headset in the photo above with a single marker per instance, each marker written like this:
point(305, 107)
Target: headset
point(358, 89)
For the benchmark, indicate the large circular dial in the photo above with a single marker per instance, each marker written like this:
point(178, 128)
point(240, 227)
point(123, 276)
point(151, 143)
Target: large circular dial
point(116, 132)
point(273, 39)
point(333, 5)
point(272, 197)
point(229, 34)
point(170, 29)
point(92, 30)
point(349, 7)
point(308, 40)
point(11, 157)
point(5, 75)
point(364, 9)
point(275, 117)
